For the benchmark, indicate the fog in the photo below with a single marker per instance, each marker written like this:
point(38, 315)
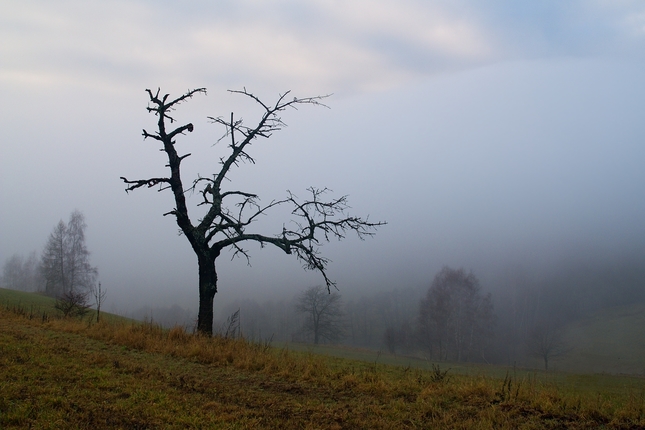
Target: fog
point(512, 142)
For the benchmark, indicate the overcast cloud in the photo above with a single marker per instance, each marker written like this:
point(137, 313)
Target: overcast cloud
point(482, 132)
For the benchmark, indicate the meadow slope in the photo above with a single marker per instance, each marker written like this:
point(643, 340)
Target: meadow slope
point(611, 340)
point(58, 373)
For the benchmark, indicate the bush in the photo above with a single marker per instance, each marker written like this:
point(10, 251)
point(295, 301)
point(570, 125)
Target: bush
point(72, 304)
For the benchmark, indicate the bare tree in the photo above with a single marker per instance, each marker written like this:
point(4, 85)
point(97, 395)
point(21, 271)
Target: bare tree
point(455, 318)
point(65, 264)
point(546, 342)
point(99, 297)
point(323, 314)
point(228, 214)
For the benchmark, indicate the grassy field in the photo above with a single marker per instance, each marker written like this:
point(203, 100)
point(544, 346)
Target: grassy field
point(608, 341)
point(58, 373)
point(569, 381)
point(612, 340)
point(34, 303)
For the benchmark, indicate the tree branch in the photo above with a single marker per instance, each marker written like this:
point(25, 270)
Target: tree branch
point(326, 218)
point(144, 182)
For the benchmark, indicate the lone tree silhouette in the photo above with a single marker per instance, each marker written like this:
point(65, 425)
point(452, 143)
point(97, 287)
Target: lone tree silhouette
point(229, 213)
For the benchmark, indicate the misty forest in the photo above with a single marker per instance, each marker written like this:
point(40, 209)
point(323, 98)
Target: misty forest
point(517, 317)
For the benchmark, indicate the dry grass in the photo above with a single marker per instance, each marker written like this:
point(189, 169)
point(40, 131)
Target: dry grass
point(57, 373)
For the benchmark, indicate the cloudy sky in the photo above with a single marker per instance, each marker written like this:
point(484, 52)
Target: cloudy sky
point(485, 133)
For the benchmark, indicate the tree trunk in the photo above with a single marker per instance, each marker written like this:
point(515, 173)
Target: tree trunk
point(207, 290)
point(316, 327)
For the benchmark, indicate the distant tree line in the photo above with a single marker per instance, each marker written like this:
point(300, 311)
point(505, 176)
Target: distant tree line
point(63, 269)
point(453, 321)
point(520, 322)
point(22, 273)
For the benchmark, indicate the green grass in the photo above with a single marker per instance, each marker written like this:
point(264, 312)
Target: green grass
point(67, 373)
point(612, 340)
point(32, 302)
point(36, 304)
point(572, 383)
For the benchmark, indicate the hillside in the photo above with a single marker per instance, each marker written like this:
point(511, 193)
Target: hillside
point(33, 302)
point(609, 341)
point(37, 304)
point(57, 373)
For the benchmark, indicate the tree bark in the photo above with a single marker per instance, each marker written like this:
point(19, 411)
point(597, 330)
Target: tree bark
point(207, 290)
